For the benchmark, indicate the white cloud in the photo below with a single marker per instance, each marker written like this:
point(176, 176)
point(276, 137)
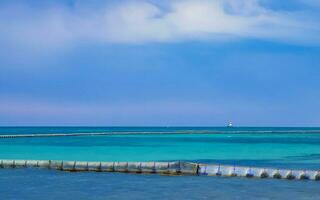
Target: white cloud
point(142, 21)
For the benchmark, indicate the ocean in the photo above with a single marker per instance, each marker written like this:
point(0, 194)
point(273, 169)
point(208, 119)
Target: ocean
point(294, 148)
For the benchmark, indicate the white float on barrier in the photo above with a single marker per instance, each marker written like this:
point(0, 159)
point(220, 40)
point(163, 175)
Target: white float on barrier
point(94, 166)
point(221, 170)
point(107, 166)
point(56, 165)
point(134, 167)
point(148, 167)
point(80, 166)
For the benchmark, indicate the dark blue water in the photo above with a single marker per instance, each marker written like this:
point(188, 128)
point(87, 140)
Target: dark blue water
point(52, 185)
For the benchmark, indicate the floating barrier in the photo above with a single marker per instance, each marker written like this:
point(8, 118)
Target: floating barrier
point(54, 135)
point(168, 168)
point(2, 136)
point(219, 170)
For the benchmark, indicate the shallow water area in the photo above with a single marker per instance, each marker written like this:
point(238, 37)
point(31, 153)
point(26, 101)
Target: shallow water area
point(298, 148)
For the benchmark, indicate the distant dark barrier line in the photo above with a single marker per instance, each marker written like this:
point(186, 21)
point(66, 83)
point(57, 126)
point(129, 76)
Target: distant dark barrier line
point(168, 168)
point(145, 133)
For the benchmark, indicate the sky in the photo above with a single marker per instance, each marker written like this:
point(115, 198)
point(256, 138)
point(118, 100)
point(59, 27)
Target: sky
point(159, 63)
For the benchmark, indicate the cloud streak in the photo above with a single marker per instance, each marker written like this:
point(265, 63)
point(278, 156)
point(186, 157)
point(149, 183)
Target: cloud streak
point(143, 22)
point(116, 113)
point(161, 113)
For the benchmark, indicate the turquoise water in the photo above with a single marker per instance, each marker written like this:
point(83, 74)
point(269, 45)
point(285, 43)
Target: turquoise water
point(270, 147)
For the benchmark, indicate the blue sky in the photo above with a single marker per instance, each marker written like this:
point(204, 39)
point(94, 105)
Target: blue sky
point(162, 63)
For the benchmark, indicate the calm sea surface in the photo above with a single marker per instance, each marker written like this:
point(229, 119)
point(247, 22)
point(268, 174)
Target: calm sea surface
point(269, 147)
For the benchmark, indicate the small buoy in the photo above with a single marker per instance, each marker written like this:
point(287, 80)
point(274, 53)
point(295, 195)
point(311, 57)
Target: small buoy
point(277, 175)
point(317, 177)
point(304, 176)
point(290, 176)
point(233, 173)
point(249, 173)
point(218, 173)
point(264, 174)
